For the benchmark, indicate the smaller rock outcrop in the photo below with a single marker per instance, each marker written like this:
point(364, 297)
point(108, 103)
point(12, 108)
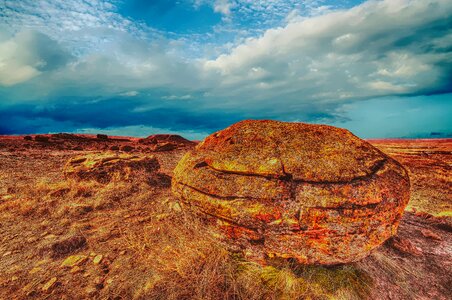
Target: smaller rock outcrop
point(166, 142)
point(42, 139)
point(103, 137)
point(69, 137)
point(106, 167)
point(165, 138)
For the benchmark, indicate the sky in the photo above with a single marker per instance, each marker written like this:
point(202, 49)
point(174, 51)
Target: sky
point(382, 69)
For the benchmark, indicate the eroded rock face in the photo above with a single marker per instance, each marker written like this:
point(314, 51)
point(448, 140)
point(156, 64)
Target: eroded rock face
point(315, 193)
point(105, 167)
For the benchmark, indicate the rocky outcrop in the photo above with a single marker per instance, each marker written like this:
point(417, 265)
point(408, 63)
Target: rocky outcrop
point(165, 138)
point(102, 137)
point(69, 137)
point(166, 142)
point(42, 138)
point(314, 193)
point(105, 167)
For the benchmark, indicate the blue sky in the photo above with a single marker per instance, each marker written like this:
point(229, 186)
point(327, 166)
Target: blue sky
point(378, 68)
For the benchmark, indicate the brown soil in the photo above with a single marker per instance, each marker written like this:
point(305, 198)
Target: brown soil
point(134, 240)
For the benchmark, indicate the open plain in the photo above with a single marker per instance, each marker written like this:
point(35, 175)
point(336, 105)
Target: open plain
point(130, 238)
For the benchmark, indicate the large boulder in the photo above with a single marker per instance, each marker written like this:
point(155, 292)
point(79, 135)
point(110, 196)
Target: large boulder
point(314, 193)
point(106, 167)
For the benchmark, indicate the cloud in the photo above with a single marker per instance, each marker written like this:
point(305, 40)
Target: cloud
point(223, 7)
point(84, 28)
point(130, 94)
point(176, 97)
point(123, 65)
point(73, 114)
point(376, 49)
point(27, 55)
point(57, 18)
point(107, 72)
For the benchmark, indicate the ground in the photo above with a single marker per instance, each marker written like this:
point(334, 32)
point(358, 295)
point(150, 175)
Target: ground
point(131, 239)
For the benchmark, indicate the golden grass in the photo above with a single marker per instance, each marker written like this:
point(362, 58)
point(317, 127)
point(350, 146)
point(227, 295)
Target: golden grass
point(188, 262)
point(172, 253)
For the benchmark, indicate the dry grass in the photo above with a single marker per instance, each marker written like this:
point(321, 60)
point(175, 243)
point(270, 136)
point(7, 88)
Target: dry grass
point(189, 262)
point(153, 247)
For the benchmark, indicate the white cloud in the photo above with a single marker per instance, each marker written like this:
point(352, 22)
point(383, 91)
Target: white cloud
point(130, 94)
point(15, 63)
point(79, 24)
point(311, 65)
point(70, 15)
point(177, 97)
point(26, 55)
point(223, 7)
point(379, 48)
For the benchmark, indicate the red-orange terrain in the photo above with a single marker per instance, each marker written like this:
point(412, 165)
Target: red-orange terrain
point(93, 217)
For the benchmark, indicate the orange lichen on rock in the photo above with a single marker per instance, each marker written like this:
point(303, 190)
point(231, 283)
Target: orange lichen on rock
point(314, 193)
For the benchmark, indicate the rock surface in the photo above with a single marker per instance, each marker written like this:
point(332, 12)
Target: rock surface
point(105, 167)
point(314, 193)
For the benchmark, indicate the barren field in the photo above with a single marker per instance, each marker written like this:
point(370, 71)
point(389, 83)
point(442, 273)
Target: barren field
point(429, 165)
point(131, 239)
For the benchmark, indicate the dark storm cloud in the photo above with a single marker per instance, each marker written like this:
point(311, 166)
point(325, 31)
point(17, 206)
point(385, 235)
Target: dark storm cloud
point(75, 114)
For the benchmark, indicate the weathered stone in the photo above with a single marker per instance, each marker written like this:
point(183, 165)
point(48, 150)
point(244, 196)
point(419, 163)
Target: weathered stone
point(75, 269)
point(106, 167)
point(49, 284)
point(97, 259)
point(315, 193)
point(74, 260)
